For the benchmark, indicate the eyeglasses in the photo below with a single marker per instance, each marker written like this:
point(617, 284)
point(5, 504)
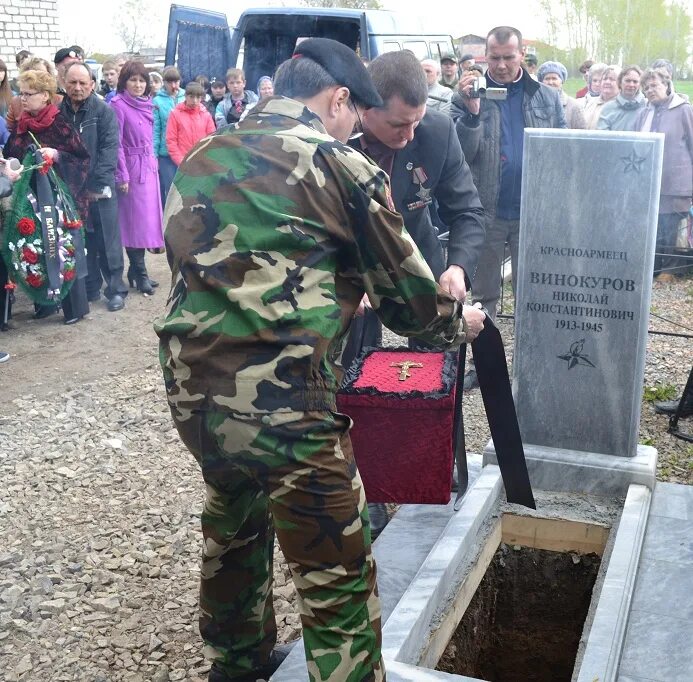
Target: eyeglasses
point(26, 95)
point(358, 128)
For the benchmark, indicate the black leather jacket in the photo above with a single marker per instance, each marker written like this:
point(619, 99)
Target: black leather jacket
point(97, 126)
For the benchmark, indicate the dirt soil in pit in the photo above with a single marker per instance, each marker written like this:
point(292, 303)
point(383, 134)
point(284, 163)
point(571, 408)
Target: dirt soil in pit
point(525, 619)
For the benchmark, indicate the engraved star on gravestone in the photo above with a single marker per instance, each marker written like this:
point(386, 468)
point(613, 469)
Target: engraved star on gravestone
point(633, 162)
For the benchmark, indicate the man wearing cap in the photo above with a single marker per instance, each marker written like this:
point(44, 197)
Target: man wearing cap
point(217, 90)
point(491, 132)
point(531, 65)
point(449, 71)
point(274, 232)
point(467, 61)
point(63, 58)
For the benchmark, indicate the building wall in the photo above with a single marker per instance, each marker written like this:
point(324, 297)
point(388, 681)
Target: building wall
point(28, 25)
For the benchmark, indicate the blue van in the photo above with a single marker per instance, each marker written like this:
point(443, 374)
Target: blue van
point(201, 41)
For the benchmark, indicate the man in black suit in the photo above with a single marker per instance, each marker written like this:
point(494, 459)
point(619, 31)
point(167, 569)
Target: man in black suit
point(431, 183)
point(430, 180)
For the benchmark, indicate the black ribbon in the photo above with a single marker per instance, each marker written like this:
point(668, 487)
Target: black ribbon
point(48, 214)
point(494, 382)
point(458, 440)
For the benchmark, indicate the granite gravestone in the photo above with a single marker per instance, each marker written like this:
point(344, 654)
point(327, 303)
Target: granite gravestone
point(588, 229)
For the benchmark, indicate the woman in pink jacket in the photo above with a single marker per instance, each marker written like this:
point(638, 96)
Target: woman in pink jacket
point(188, 124)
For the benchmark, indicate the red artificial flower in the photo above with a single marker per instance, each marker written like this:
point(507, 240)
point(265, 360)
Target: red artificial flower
point(30, 256)
point(73, 224)
point(34, 280)
point(10, 286)
point(26, 226)
point(46, 166)
point(69, 275)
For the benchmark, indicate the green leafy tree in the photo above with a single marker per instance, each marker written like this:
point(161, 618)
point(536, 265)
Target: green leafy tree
point(621, 31)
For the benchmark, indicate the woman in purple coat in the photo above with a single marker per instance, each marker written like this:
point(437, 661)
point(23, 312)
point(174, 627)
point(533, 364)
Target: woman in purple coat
point(137, 179)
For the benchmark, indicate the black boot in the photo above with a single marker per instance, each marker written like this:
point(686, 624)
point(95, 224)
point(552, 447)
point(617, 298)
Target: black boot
point(137, 272)
point(132, 278)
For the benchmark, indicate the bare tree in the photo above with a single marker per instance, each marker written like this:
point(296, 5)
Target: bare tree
point(132, 26)
point(350, 4)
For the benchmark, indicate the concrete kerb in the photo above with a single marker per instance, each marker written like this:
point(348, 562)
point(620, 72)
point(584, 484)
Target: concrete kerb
point(410, 627)
point(407, 630)
point(602, 651)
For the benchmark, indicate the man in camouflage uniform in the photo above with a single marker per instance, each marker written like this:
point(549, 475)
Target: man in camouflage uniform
point(274, 231)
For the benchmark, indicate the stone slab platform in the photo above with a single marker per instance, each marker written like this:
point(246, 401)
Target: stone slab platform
point(658, 646)
point(585, 472)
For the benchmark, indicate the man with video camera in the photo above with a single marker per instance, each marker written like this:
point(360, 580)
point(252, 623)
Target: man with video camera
point(490, 121)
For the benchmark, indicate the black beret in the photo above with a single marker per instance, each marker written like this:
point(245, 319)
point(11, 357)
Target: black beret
point(466, 57)
point(344, 66)
point(75, 51)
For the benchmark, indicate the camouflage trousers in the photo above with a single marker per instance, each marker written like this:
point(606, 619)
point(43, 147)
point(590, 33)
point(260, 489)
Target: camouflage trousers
point(292, 474)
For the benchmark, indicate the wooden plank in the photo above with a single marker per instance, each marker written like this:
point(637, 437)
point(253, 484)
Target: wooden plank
point(440, 637)
point(556, 535)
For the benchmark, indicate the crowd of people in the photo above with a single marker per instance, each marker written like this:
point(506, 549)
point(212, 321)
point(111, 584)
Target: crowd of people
point(290, 241)
point(130, 155)
point(116, 145)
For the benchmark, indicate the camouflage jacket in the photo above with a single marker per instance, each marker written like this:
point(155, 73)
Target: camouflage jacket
point(274, 230)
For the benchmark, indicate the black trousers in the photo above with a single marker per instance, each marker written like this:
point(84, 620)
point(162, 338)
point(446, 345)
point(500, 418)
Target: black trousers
point(367, 331)
point(104, 250)
point(75, 304)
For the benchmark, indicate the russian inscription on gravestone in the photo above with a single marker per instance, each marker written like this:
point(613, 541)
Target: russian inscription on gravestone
point(587, 238)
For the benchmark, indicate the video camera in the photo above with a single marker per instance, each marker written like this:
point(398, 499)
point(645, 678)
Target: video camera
point(480, 90)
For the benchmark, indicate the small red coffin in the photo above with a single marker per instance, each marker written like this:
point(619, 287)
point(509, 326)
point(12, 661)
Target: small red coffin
point(403, 428)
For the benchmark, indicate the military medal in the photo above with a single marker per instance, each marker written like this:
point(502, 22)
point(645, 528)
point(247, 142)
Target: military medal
point(419, 176)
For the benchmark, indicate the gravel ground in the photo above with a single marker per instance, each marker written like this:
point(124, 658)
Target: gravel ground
point(100, 503)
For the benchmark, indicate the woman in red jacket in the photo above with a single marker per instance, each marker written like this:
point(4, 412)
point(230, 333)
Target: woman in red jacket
point(188, 124)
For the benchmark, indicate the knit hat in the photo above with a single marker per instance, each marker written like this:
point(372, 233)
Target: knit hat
point(552, 67)
point(260, 80)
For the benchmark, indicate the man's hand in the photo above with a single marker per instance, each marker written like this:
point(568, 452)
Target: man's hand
point(464, 86)
point(123, 187)
point(474, 316)
point(452, 281)
point(364, 305)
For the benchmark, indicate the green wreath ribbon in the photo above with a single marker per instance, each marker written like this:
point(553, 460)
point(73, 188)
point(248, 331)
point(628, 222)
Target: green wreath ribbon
point(23, 247)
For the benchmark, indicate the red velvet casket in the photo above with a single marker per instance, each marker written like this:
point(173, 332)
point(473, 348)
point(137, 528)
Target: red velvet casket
point(403, 429)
